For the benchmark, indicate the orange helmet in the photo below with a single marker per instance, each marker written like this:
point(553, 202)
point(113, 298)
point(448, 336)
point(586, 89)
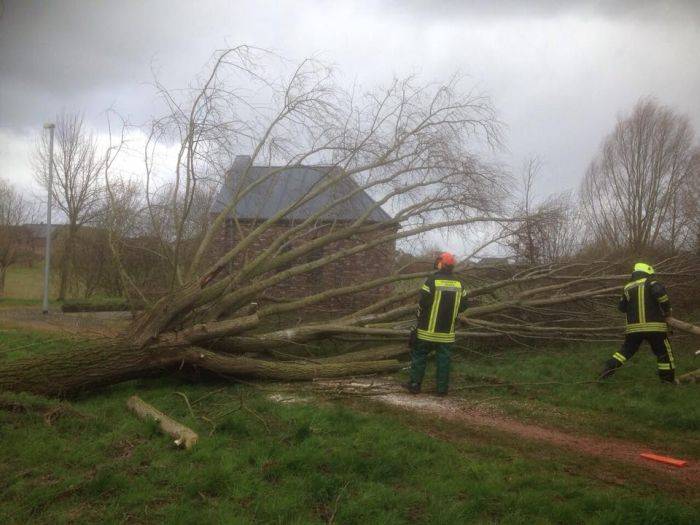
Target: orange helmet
point(445, 259)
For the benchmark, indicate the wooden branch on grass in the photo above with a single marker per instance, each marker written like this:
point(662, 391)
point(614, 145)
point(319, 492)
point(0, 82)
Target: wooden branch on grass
point(690, 377)
point(184, 436)
point(682, 325)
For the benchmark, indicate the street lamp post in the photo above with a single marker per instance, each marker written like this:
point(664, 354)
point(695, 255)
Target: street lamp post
point(47, 255)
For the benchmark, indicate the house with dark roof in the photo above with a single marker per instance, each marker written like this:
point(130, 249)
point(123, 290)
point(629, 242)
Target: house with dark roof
point(275, 188)
point(278, 187)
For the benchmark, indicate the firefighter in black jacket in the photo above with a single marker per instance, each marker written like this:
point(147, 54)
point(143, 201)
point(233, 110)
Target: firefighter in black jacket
point(442, 297)
point(647, 306)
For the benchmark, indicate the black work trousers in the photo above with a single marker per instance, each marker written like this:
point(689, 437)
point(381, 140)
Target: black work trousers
point(660, 345)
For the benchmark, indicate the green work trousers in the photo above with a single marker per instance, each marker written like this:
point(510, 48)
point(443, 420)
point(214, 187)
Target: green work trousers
point(419, 357)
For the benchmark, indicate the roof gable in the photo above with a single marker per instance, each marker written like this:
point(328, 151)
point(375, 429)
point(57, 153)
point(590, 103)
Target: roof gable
point(288, 185)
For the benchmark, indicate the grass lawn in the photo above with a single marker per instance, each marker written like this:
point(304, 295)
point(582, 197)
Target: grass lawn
point(320, 462)
point(26, 285)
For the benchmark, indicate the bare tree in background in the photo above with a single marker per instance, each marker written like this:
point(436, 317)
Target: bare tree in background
point(77, 181)
point(633, 189)
point(141, 229)
point(15, 211)
point(550, 231)
point(691, 201)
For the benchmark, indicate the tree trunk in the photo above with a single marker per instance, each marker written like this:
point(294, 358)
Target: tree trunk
point(86, 368)
point(63, 278)
point(66, 261)
point(3, 273)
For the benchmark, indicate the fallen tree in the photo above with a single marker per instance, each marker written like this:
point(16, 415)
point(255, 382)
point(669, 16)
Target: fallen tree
point(407, 146)
point(218, 347)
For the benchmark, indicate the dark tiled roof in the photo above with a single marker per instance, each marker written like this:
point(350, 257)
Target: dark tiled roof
point(289, 185)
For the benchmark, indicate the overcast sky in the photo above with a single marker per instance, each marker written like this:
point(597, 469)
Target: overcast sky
point(558, 72)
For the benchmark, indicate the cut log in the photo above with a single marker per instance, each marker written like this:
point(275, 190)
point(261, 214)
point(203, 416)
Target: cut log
point(184, 436)
point(690, 377)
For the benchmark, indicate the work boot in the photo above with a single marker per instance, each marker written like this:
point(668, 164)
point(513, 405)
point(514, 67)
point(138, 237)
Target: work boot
point(668, 379)
point(413, 388)
point(605, 374)
point(608, 371)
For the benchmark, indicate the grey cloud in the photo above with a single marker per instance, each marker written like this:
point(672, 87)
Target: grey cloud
point(558, 71)
point(668, 11)
point(71, 52)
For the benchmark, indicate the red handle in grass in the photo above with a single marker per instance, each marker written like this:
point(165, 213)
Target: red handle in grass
point(664, 459)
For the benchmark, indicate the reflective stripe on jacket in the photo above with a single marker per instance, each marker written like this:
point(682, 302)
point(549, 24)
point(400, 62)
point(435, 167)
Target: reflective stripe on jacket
point(646, 304)
point(442, 298)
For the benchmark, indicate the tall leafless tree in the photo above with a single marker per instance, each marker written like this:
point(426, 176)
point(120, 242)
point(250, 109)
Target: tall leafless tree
point(690, 201)
point(77, 181)
point(632, 191)
point(15, 211)
point(550, 231)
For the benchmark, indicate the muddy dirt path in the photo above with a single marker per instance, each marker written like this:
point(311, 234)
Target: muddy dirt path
point(453, 409)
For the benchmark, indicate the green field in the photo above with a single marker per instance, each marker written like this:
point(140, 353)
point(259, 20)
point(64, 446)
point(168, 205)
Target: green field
point(345, 461)
point(25, 285)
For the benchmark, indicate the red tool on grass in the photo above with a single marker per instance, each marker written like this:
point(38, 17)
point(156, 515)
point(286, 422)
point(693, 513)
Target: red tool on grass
point(664, 459)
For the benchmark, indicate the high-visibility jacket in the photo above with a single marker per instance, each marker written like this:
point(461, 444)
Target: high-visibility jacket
point(646, 304)
point(442, 297)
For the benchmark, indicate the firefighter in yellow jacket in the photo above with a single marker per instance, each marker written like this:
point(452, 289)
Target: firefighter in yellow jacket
point(645, 302)
point(442, 297)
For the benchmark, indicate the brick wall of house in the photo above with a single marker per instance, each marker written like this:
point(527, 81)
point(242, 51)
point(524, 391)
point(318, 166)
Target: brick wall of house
point(367, 265)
